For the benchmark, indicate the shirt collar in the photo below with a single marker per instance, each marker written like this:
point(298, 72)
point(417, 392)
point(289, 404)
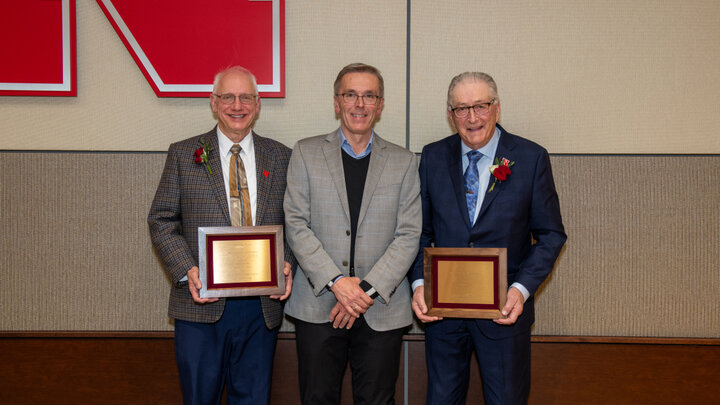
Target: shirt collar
point(345, 145)
point(224, 143)
point(488, 150)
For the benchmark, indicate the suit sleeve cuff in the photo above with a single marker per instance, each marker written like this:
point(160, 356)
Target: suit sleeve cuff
point(523, 290)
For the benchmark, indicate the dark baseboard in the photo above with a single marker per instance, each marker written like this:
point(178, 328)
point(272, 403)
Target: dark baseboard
point(139, 367)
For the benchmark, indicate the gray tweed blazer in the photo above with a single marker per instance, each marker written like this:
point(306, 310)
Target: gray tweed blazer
point(317, 224)
point(188, 197)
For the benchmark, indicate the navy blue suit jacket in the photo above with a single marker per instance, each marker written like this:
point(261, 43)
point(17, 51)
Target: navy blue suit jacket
point(522, 209)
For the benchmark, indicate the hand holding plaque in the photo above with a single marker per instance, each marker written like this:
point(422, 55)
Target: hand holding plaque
point(465, 282)
point(237, 261)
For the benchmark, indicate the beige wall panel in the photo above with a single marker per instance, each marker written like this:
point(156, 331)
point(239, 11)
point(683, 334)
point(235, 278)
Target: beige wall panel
point(577, 77)
point(321, 38)
point(76, 251)
point(641, 257)
point(116, 109)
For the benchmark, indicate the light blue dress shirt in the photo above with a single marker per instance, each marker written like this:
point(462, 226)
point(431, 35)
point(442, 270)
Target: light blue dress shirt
point(345, 145)
point(483, 165)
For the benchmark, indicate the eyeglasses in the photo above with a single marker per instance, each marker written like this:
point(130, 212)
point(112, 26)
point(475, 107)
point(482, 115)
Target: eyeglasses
point(480, 109)
point(229, 98)
point(351, 98)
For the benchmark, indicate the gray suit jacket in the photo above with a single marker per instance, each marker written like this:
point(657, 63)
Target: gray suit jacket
point(317, 222)
point(188, 197)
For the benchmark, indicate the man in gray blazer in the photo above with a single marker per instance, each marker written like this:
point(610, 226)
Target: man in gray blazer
point(220, 341)
point(353, 220)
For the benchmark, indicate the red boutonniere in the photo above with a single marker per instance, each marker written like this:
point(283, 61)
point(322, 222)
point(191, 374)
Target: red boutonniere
point(266, 173)
point(500, 170)
point(201, 154)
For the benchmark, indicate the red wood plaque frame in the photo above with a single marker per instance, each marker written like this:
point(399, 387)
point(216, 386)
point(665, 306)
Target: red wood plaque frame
point(214, 245)
point(480, 292)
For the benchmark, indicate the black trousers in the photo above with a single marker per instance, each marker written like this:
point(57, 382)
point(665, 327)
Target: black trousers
point(323, 352)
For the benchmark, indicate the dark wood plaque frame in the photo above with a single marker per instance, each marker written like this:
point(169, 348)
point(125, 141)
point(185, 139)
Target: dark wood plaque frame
point(497, 256)
point(274, 236)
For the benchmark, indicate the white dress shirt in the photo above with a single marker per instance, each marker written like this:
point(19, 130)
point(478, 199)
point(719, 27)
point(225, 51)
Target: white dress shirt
point(247, 154)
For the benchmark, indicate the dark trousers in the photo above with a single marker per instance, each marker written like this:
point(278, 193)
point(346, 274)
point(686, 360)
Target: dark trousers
point(237, 351)
point(323, 352)
point(504, 363)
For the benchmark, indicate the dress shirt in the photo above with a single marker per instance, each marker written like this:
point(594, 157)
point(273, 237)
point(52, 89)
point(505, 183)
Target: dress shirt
point(483, 165)
point(345, 145)
point(247, 154)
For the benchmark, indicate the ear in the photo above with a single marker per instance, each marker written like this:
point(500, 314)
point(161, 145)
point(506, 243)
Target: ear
point(451, 121)
point(212, 103)
point(336, 103)
point(380, 106)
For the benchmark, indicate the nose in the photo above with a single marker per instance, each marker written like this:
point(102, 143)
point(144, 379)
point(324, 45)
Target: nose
point(360, 101)
point(472, 116)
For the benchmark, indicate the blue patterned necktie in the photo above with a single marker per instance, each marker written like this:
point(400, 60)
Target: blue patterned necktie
point(471, 183)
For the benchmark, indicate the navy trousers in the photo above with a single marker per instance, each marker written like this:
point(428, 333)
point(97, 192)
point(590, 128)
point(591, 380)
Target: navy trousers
point(504, 363)
point(235, 352)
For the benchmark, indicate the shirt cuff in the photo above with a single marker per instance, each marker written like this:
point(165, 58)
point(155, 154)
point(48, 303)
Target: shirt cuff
point(523, 290)
point(330, 284)
point(417, 283)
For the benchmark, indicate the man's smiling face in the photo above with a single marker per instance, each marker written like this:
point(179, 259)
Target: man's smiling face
point(475, 130)
point(235, 119)
point(358, 118)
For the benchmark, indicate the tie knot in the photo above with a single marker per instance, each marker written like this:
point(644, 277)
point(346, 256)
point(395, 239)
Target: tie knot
point(235, 149)
point(474, 156)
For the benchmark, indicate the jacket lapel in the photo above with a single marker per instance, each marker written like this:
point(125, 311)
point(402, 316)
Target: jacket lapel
point(505, 146)
point(333, 158)
point(378, 158)
point(263, 175)
point(454, 160)
point(216, 178)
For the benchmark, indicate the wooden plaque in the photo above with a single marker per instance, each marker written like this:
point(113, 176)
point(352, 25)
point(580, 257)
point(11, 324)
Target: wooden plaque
point(465, 282)
point(238, 261)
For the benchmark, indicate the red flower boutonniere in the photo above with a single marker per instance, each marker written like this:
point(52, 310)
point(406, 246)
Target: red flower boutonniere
point(201, 154)
point(500, 170)
point(266, 173)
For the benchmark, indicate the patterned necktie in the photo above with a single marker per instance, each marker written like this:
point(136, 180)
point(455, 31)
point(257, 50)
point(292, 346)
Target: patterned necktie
point(240, 211)
point(471, 183)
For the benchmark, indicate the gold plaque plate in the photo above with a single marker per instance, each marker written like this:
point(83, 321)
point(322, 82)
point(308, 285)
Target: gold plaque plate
point(241, 261)
point(237, 261)
point(465, 282)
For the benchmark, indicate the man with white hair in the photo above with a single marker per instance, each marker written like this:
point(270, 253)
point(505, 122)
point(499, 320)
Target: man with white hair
point(485, 187)
point(227, 176)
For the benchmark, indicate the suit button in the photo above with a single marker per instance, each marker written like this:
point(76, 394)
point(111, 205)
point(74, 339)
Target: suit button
point(347, 233)
point(344, 263)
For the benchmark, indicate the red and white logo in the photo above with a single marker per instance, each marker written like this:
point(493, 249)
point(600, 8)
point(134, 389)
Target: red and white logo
point(180, 44)
point(37, 49)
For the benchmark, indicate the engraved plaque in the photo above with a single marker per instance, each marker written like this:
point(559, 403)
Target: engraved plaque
point(465, 282)
point(237, 261)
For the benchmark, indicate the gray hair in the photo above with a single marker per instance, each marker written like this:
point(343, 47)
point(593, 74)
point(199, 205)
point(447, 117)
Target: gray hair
point(227, 70)
point(359, 68)
point(472, 76)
